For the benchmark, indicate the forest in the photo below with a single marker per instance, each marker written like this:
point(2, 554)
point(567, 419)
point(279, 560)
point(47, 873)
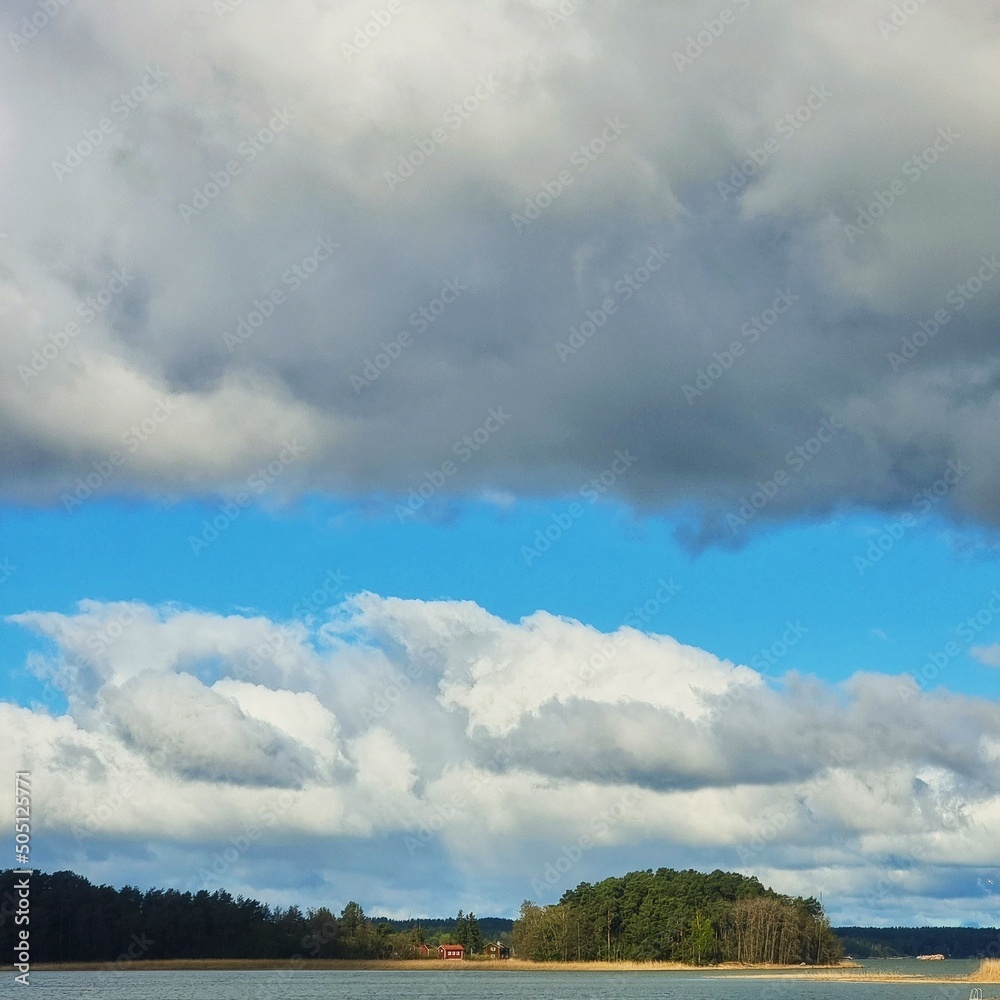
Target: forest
point(73, 920)
point(899, 942)
point(669, 915)
point(437, 930)
point(682, 916)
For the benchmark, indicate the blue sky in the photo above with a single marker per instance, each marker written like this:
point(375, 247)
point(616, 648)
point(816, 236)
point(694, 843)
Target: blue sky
point(736, 602)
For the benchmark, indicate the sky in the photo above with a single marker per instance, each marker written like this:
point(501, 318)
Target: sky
point(454, 452)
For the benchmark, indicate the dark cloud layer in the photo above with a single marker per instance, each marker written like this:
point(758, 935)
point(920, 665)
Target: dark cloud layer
point(555, 161)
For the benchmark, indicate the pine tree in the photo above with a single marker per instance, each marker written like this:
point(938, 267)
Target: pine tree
point(462, 930)
point(474, 937)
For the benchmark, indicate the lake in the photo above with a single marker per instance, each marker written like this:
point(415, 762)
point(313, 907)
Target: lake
point(475, 985)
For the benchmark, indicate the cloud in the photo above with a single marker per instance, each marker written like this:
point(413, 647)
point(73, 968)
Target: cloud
point(987, 655)
point(198, 733)
point(404, 728)
point(261, 132)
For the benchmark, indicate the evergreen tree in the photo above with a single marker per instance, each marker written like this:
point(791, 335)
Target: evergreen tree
point(462, 930)
point(474, 936)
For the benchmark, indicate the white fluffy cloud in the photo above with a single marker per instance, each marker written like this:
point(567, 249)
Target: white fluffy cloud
point(403, 727)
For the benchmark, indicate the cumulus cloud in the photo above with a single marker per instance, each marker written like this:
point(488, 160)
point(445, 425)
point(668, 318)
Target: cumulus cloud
point(435, 729)
point(208, 155)
point(199, 733)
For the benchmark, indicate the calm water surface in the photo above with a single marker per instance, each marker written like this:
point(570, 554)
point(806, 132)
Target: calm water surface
point(481, 986)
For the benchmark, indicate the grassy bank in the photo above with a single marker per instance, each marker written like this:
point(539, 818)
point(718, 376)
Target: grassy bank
point(988, 972)
point(418, 965)
point(847, 972)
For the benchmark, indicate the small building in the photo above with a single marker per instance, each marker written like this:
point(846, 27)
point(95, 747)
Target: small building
point(497, 951)
point(451, 952)
point(423, 951)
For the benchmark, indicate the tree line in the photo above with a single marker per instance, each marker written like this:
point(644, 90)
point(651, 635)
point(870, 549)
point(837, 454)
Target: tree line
point(682, 916)
point(438, 930)
point(73, 920)
point(902, 942)
point(667, 915)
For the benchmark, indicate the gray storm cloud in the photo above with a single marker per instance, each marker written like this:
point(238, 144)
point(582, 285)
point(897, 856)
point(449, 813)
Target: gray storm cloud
point(631, 227)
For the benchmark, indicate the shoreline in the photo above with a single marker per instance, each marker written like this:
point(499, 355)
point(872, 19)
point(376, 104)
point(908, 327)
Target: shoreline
point(408, 965)
point(843, 972)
